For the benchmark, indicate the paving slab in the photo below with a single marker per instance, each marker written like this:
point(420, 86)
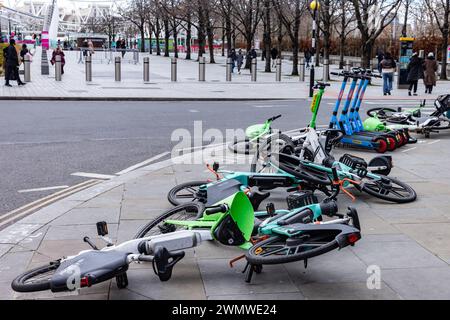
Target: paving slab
point(88, 216)
point(347, 291)
point(419, 283)
point(259, 296)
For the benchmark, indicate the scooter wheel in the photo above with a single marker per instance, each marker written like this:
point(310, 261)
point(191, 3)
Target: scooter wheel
point(382, 145)
point(392, 144)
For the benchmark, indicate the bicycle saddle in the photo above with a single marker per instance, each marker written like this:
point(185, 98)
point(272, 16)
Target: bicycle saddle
point(92, 266)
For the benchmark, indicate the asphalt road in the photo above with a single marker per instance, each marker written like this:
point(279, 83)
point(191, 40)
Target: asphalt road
point(42, 143)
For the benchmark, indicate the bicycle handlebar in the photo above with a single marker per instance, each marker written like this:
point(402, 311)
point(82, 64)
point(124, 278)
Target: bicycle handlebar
point(274, 118)
point(221, 208)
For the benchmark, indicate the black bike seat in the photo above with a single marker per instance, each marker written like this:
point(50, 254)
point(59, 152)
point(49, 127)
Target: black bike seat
point(98, 266)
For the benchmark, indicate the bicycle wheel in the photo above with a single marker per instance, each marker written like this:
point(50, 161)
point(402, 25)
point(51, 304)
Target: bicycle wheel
point(185, 192)
point(261, 159)
point(382, 145)
point(186, 212)
point(389, 189)
point(37, 279)
point(241, 146)
point(277, 250)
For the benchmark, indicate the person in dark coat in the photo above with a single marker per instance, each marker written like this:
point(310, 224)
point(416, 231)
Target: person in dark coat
point(58, 52)
point(274, 56)
point(414, 72)
point(430, 67)
point(12, 64)
point(307, 57)
point(233, 57)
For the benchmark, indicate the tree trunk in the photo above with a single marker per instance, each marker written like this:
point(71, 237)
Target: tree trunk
point(166, 37)
point(175, 41)
point(341, 50)
point(201, 31)
point(157, 34)
point(210, 34)
point(142, 30)
point(267, 35)
point(188, 38)
point(150, 32)
point(228, 33)
point(445, 34)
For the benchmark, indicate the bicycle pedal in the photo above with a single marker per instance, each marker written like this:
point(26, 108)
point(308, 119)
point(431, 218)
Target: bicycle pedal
point(122, 280)
point(102, 228)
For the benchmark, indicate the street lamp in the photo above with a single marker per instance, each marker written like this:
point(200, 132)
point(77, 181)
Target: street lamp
point(314, 6)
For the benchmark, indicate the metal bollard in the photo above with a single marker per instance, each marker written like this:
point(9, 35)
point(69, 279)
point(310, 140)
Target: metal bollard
point(302, 70)
point(118, 69)
point(27, 68)
point(173, 73)
point(326, 70)
point(58, 69)
point(201, 69)
point(146, 69)
point(229, 68)
point(253, 66)
point(278, 71)
point(136, 56)
point(347, 65)
point(88, 68)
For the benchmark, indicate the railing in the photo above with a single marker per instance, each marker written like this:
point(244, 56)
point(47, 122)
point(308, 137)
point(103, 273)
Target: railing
point(107, 56)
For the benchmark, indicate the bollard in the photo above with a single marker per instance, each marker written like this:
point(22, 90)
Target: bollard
point(146, 69)
point(326, 70)
point(302, 70)
point(347, 65)
point(88, 68)
point(27, 69)
point(253, 70)
point(58, 68)
point(136, 56)
point(278, 71)
point(229, 68)
point(118, 69)
point(201, 69)
point(173, 73)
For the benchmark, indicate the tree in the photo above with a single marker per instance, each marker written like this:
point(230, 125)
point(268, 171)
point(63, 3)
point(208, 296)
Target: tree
point(440, 9)
point(136, 12)
point(343, 28)
point(267, 36)
point(291, 12)
point(372, 17)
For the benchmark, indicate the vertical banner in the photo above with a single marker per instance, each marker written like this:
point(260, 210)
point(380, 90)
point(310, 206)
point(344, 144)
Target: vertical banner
point(44, 40)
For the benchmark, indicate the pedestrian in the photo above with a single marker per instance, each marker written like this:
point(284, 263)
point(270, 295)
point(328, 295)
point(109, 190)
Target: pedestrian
point(263, 55)
point(233, 57)
point(274, 56)
point(430, 67)
point(23, 52)
point(123, 47)
point(239, 60)
point(380, 57)
point(388, 66)
point(307, 57)
point(250, 56)
point(12, 64)
point(91, 49)
point(415, 71)
point(58, 52)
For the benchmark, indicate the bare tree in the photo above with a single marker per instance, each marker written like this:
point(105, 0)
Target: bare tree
point(440, 10)
point(372, 17)
point(291, 12)
point(136, 12)
point(343, 28)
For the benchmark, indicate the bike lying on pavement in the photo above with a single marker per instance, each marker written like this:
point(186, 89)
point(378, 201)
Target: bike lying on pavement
point(412, 119)
point(231, 223)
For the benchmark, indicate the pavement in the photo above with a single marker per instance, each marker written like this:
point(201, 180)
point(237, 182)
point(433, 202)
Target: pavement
point(410, 243)
point(132, 87)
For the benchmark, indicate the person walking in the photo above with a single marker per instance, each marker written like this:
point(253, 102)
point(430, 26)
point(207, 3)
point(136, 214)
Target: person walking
point(239, 60)
point(252, 55)
point(12, 64)
point(307, 57)
point(388, 66)
point(58, 52)
point(430, 67)
point(274, 56)
point(415, 71)
point(233, 57)
point(380, 57)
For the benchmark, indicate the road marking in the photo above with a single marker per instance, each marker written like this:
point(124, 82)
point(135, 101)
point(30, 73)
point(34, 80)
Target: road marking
point(143, 163)
point(270, 106)
point(93, 175)
point(434, 142)
point(200, 147)
point(193, 110)
point(42, 189)
point(409, 149)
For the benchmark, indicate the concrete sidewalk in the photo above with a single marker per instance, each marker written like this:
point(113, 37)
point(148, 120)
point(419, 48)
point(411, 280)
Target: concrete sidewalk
point(103, 87)
point(410, 242)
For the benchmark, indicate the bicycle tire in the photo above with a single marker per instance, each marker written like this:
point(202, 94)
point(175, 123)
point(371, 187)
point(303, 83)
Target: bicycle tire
point(376, 112)
point(172, 195)
point(195, 209)
point(410, 196)
point(232, 146)
point(257, 259)
point(19, 284)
